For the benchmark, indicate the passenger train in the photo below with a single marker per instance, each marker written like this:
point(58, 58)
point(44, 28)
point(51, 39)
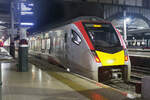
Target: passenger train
point(88, 46)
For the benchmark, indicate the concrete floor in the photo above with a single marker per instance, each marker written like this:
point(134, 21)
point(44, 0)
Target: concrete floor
point(51, 84)
point(34, 85)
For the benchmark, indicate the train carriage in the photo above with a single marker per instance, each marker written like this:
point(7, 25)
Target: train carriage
point(90, 47)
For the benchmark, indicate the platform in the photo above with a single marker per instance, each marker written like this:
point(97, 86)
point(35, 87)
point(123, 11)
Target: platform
point(139, 52)
point(52, 83)
point(34, 85)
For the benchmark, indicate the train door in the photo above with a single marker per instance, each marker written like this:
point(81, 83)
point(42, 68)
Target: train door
point(73, 47)
point(67, 50)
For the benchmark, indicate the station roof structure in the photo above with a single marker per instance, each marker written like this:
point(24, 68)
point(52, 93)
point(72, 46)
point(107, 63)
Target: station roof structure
point(133, 26)
point(5, 18)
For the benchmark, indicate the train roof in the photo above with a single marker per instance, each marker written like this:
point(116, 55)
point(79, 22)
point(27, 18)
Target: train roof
point(62, 23)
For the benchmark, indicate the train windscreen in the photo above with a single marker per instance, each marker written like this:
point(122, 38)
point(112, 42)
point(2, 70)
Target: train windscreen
point(102, 35)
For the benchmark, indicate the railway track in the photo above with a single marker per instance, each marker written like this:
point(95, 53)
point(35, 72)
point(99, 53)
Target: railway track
point(138, 72)
point(127, 87)
point(136, 77)
point(140, 67)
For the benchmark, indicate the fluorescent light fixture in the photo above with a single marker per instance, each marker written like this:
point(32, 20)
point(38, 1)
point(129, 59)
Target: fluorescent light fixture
point(3, 37)
point(141, 27)
point(127, 19)
point(27, 24)
point(27, 13)
point(31, 4)
point(1, 22)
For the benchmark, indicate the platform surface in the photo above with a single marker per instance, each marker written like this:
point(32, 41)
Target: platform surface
point(139, 52)
point(34, 85)
point(51, 84)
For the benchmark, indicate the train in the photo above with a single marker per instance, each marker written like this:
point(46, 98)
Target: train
point(89, 46)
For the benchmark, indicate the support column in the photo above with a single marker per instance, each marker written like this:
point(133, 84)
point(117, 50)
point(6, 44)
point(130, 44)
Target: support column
point(12, 48)
point(23, 52)
point(125, 26)
point(125, 23)
point(12, 45)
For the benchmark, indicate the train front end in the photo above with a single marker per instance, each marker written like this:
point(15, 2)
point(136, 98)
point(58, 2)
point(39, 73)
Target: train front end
point(111, 58)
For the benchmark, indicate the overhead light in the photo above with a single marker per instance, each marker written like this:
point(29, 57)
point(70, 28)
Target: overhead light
point(31, 4)
point(3, 37)
point(26, 13)
point(27, 24)
point(127, 20)
point(1, 22)
point(141, 27)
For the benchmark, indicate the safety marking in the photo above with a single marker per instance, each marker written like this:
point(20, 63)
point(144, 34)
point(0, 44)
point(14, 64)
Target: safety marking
point(77, 87)
point(103, 86)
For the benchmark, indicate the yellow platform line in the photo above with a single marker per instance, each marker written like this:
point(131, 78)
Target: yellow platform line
point(77, 87)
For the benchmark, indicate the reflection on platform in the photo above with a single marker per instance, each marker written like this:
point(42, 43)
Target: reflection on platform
point(4, 55)
point(34, 85)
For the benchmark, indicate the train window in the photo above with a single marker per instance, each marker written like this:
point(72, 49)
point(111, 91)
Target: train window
point(65, 37)
point(75, 38)
point(43, 44)
point(48, 43)
point(102, 35)
point(51, 45)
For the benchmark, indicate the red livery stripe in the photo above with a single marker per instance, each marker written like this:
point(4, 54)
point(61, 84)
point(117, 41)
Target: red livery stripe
point(120, 37)
point(82, 30)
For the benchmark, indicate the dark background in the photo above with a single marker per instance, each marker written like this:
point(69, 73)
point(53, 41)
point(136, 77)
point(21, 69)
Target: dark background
point(52, 12)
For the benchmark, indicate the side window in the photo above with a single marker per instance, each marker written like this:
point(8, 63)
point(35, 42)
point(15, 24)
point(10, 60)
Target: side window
point(51, 45)
point(75, 38)
point(65, 37)
point(48, 43)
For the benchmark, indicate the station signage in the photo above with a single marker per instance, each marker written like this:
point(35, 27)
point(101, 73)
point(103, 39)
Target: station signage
point(26, 13)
